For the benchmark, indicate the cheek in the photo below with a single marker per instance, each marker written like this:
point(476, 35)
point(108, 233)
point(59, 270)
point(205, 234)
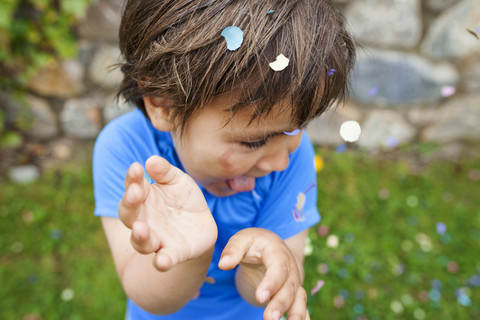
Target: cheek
point(233, 162)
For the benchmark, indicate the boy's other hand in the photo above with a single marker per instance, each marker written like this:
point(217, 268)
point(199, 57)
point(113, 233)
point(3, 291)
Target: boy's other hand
point(268, 263)
point(170, 217)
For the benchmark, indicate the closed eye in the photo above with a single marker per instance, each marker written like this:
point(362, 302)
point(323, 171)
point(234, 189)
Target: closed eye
point(254, 144)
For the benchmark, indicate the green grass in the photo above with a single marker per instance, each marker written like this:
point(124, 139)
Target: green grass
point(388, 260)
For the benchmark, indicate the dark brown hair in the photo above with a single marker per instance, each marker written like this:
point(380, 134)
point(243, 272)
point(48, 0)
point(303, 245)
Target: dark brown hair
point(174, 48)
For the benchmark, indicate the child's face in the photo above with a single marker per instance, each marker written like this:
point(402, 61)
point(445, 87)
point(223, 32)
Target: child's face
point(226, 157)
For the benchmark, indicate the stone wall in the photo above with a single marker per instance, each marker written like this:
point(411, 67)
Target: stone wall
point(417, 78)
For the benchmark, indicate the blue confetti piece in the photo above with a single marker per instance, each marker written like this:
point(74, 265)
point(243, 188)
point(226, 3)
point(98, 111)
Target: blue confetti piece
point(341, 148)
point(233, 36)
point(464, 300)
point(475, 281)
point(270, 11)
point(435, 295)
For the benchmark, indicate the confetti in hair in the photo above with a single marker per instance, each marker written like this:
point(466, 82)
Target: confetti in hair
point(233, 36)
point(280, 63)
point(270, 11)
point(331, 72)
point(292, 133)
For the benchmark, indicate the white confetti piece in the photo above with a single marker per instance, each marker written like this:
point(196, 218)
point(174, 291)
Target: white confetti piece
point(350, 131)
point(233, 36)
point(279, 64)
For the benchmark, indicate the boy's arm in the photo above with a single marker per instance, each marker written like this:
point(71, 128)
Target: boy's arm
point(270, 271)
point(163, 242)
point(154, 291)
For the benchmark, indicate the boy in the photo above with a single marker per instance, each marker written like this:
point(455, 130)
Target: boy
point(212, 177)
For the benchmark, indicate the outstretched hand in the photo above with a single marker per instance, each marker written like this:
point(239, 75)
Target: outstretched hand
point(274, 266)
point(170, 217)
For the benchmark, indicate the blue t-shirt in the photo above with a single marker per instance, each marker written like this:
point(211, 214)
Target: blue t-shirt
point(283, 202)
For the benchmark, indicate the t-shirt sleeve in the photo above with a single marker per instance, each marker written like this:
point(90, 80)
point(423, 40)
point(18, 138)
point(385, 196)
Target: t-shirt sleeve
point(291, 203)
point(110, 166)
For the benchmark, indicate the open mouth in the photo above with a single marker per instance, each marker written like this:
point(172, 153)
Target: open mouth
point(241, 184)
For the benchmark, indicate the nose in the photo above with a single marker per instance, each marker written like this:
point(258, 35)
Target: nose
point(274, 160)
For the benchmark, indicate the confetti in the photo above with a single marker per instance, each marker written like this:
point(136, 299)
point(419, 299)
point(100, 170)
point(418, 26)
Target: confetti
point(331, 72)
point(452, 267)
point(396, 306)
point(384, 194)
point(280, 63)
point(338, 301)
point(419, 314)
point(435, 295)
point(350, 131)
point(358, 308)
point(448, 91)
point(67, 294)
point(341, 148)
point(270, 11)
point(475, 281)
point(317, 287)
point(332, 241)
point(292, 133)
point(474, 33)
point(373, 91)
point(233, 36)
point(323, 231)
point(441, 228)
point(319, 163)
point(412, 201)
point(322, 268)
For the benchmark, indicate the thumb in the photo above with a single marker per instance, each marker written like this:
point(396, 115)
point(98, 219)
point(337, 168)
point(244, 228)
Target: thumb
point(162, 171)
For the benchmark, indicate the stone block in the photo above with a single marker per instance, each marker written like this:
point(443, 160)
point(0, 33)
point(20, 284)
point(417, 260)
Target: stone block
point(448, 38)
point(384, 78)
point(81, 119)
point(385, 24)
point(457, 120)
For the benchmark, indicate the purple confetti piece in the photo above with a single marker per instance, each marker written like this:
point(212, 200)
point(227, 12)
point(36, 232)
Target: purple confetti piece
point(331, 72)
point(317, 288)
point(441, 228)
point(373, 91)
point(475, 281)
point(292, 133)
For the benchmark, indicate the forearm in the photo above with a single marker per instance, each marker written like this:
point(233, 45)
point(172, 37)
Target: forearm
point(163, 292)
point(154, 291)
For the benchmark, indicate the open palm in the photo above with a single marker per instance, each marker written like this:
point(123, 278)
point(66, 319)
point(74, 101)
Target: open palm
point(170, 217)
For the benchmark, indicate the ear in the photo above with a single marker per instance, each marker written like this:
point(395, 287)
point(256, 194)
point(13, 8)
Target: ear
point(160, 112)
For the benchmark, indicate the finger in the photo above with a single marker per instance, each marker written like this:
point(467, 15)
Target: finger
point(162, 171)
point(142, 239)
point(165, 259)
point(291, 298)
point(279, 270)
point(135, 193)
point(234, 251)
point(298, 309)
